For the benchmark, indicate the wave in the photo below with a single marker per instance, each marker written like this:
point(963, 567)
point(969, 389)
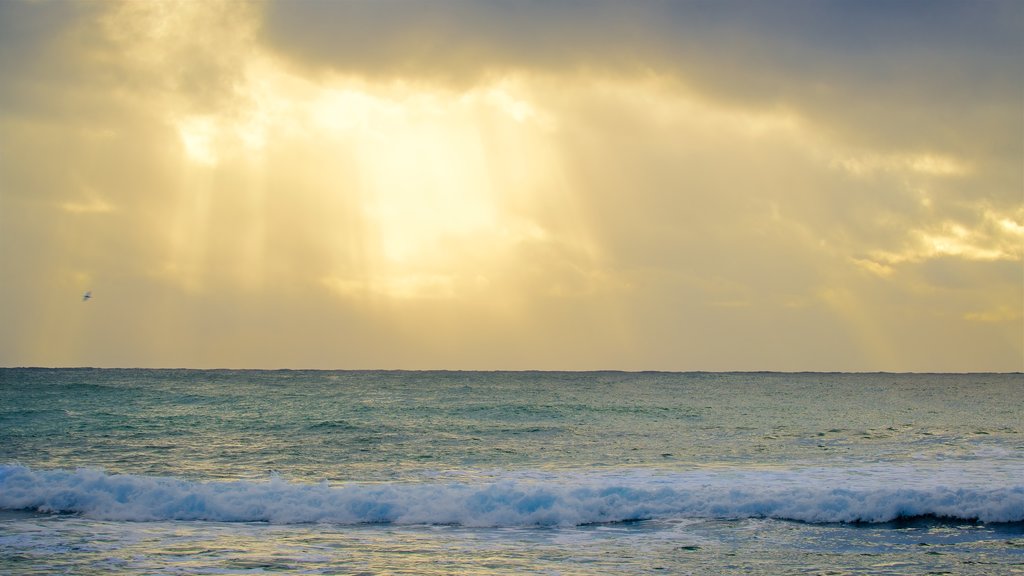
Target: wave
point(815, 496)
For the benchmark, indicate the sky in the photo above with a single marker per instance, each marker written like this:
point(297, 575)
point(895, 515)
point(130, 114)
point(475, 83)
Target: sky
point(554, 185)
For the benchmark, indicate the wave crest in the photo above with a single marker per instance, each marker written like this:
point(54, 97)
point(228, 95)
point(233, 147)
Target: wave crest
point(515, 501)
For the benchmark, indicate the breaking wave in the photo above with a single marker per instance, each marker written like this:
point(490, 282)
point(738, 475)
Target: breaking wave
point(811, 495)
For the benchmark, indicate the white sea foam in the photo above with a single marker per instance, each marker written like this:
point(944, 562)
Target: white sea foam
point(876, 494)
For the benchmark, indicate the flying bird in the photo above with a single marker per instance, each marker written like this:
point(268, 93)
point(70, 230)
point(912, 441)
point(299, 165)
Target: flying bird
point(87, 296)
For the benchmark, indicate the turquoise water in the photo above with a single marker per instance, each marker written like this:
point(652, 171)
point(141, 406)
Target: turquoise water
point(183, 471)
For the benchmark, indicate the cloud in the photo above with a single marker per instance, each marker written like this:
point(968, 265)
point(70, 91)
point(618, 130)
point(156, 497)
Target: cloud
point(37, 38)
point(907, 75)
point(93, 206)
point(796, 185)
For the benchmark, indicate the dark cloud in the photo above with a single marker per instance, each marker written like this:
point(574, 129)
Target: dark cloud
point(46, 50)
point(900, 74)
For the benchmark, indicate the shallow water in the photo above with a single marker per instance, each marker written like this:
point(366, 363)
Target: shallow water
point(53, 544)
point(141, 471)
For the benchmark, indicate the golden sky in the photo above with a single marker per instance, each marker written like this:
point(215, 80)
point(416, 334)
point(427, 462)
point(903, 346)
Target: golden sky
point(792, 185)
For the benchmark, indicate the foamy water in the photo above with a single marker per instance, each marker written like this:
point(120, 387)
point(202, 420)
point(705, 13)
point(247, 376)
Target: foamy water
point(871, 494)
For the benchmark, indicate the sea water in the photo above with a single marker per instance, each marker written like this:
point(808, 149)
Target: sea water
point(375, 472)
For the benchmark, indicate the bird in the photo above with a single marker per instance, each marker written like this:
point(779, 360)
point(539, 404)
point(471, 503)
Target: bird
point(87, 296)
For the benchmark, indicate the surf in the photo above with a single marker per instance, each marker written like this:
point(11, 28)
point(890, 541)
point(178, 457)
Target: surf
point(525, 498)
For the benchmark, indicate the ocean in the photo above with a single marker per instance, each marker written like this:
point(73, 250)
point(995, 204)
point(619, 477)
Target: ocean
point(389, 472)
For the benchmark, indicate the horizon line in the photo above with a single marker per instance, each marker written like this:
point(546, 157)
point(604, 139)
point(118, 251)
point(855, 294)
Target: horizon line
point(521, 370)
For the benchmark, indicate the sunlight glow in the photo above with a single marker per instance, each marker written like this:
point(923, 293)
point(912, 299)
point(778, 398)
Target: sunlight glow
point(198, 136)
point(440, 182)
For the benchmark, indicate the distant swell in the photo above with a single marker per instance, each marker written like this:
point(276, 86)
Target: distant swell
point(815, 496)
